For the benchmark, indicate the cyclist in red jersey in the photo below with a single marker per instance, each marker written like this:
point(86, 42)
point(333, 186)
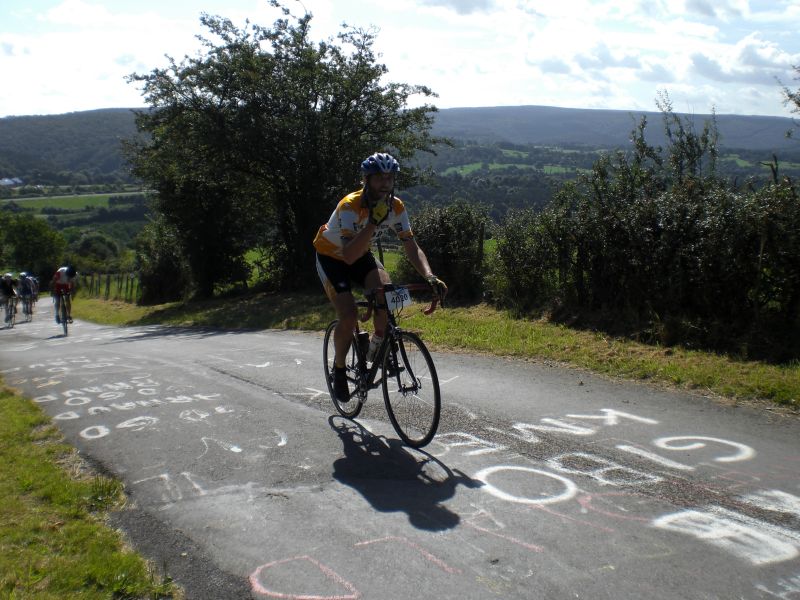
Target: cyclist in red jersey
point(64, 283)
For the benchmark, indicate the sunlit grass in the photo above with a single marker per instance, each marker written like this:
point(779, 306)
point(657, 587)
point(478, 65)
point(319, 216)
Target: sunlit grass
point(53, 540)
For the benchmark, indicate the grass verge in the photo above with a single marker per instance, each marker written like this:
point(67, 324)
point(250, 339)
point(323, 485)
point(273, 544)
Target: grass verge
point(54, 542)
point(484, 329)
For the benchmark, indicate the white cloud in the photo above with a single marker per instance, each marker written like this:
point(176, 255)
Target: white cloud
point(463, 7)
point(657, 73)
point(601, 57)
point(761, 54)
point(701, 7)
point(68, 55)
point(79, 14)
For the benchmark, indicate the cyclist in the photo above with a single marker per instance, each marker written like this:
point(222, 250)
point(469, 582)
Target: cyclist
point(8, 289)
point(34, 288)
point(64, 283)
point(25, 290)
point(344, 254)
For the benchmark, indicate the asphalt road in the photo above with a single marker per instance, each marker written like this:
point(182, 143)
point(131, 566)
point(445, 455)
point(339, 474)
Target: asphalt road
point(542, 482)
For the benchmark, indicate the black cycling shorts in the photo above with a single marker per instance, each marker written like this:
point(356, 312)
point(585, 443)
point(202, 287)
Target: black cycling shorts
point(337, 276)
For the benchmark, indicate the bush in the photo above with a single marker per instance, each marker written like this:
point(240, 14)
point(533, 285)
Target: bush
point(523, 267)
point(452, 238)
point(163, 271)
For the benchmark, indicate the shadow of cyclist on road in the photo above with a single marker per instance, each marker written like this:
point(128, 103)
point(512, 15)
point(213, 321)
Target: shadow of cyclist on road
point(395, 478)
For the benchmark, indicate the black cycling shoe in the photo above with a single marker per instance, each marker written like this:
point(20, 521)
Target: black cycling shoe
point(340, 387)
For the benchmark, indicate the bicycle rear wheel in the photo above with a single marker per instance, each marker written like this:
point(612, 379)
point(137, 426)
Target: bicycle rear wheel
point(352, 407)
point(13, 309)
point(411, 390)
point(63, 311)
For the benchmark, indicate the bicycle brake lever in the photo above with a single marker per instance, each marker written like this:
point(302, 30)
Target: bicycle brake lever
point(367, 314)
point(431, 308)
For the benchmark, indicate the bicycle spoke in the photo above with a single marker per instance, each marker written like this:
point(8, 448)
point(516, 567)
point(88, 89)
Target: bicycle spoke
point(351, 408)
point(411, 391)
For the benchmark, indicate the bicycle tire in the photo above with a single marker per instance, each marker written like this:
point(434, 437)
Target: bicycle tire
point(64, 320)
point(352, 408)
point(13, 319)
point(413, 404)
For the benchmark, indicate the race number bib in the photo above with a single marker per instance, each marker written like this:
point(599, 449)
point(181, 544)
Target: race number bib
point(398, 298)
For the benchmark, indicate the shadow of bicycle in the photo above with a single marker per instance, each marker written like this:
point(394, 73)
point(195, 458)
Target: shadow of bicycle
point(395, 478)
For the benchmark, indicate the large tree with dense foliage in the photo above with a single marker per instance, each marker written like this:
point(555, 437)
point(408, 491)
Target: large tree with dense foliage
point(30, 244)
point(252, 142)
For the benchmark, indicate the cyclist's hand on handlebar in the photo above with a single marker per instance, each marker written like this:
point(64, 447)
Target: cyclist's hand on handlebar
point(438, 286)
point(378, 213)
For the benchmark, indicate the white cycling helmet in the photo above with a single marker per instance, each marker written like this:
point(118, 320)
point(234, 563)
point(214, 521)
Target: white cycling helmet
point(380, 162)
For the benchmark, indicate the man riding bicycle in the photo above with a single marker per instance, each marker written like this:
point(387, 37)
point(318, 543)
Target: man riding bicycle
point(25, 290)
point(344, 254)
point(8, 290)
point(63, 287)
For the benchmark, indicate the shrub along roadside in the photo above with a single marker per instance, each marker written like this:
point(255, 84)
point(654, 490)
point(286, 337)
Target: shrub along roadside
point(484, 329)
point(53, 540)
point(654, 244)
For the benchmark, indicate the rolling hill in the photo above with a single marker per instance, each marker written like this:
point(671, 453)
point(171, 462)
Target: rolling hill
point(54, 147)
point(547, 125)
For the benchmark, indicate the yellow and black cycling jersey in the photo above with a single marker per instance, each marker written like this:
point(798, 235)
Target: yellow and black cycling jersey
point(350, 217)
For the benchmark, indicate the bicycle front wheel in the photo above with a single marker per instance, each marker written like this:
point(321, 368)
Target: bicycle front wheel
point(411, 389)
point(352, 407)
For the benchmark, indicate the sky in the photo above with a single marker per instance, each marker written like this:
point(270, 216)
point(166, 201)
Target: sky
point(729, 56)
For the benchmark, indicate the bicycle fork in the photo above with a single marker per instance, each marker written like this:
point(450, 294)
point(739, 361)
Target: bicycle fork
point(398, 362)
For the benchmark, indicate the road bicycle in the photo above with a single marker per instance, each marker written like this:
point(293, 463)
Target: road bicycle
point(60, 298)
point(402, 366)
point(11, 311)
point(27, 308)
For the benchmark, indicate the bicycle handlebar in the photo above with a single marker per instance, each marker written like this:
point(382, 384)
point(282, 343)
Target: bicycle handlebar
point(411, 287)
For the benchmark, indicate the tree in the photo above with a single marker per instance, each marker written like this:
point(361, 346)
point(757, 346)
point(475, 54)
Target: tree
point(251, 144)
point(96, 251)
point(33, 246)
point(162, 268)
point(792, 98)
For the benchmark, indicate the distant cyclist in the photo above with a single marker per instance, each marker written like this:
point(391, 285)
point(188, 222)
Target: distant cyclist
point(25, 290)
point(8, 290)
point(344, 255)
point(34, 287)
point(63, 286)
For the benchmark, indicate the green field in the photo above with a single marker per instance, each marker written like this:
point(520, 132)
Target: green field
point(515, 153)
point(91, 201)
point(470, 168)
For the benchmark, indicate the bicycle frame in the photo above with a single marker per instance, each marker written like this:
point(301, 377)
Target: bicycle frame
point(413, 406)
point(11, 310)
point(368, 380)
